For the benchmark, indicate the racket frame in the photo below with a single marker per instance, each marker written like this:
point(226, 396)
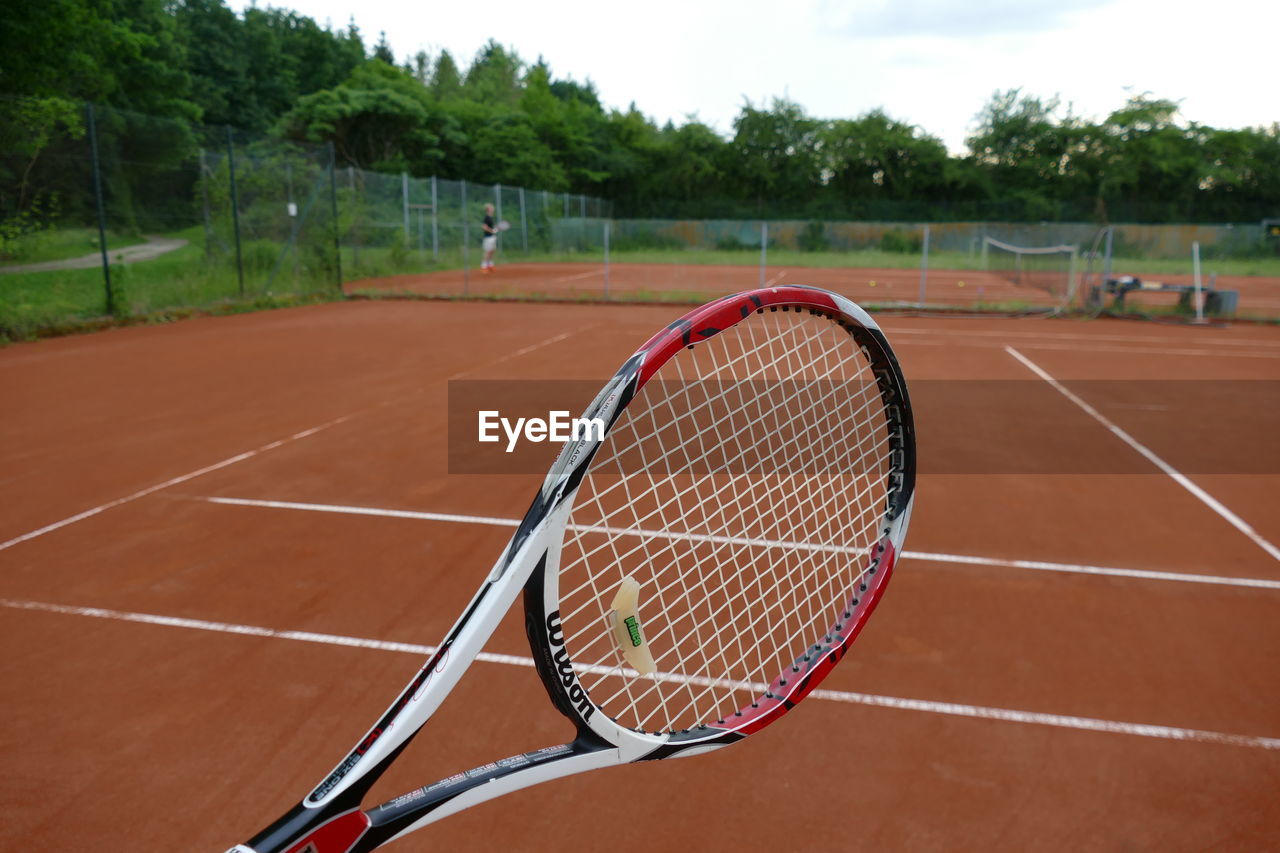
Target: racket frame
point(330, 820)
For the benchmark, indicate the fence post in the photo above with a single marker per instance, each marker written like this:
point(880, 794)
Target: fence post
point(764, 250)
point(497, 214)
point(355, 217)
point(204, 196)
point(606, 259)
point(333, 203)
point(294, 221)
point(235, 208)
point(466, 243)
point(924, 265)
point(524, 231)
point(404, 191)
point(102, 219)
point(435, 223)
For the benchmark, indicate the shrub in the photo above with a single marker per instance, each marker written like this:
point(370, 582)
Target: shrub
point(900, 241)
point(813, 238)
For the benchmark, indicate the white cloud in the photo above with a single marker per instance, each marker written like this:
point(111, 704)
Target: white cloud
point(947, 18)
point(933, 63)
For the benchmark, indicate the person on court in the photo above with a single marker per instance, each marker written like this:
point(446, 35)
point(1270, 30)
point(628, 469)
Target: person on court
point(490, 239)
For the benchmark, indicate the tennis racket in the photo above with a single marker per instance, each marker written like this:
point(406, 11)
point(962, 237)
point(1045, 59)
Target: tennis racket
point(688, 575)
point(504, 225)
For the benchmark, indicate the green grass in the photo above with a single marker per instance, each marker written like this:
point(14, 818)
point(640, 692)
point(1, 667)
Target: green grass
point(65, 243)
point(32, 304)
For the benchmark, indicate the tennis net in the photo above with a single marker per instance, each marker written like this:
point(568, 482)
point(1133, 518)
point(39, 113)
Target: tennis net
point(1048, 268)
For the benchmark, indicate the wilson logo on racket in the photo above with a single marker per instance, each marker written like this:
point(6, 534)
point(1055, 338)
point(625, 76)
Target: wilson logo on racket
point(564, 668)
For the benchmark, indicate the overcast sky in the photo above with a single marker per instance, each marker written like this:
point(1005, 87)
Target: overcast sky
point(933, 63)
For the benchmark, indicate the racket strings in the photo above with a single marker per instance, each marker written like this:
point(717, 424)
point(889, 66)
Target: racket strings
point(699, 633)
point(641, 437)
point(743, 489)
point(790, 605)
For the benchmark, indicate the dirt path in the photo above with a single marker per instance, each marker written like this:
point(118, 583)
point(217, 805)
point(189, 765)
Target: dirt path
point(153, 248)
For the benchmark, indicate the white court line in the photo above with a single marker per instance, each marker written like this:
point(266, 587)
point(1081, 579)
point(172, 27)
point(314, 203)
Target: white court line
point(1200, 494)
point(522, 351)
point(240, 457)
point(953, 709)
point(576, 276)
point(1033, 565)
point(771, 282)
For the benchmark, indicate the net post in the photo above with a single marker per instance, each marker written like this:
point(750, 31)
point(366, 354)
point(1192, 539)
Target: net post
point(235, 208)
point(1106, 266)
point(101, 208)
point(1195, 271)
point(1073, 273)
point(924, 265)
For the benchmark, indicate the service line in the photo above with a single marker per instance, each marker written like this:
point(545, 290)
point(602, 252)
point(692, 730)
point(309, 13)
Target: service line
point(1174, 474)
point(953, 709)
point(962, 559)
point(239, 457)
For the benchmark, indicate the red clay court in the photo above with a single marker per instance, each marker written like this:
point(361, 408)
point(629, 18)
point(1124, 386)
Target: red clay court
point(215, 533)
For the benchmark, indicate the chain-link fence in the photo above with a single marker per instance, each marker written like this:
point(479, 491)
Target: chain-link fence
point(980, 265)
point(106, 212)
point(395, 226)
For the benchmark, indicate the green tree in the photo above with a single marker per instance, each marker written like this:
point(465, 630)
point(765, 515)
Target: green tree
point(494, 76)
point(446, 81)
point(777, 154)
point(380, 118)
point(876, 157)
point(383, 51)
point(1154, 167)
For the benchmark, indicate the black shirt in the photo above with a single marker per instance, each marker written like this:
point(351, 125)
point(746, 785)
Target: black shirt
point(488, 230)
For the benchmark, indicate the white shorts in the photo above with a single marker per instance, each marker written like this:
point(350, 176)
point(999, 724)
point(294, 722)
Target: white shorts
point(490, 243)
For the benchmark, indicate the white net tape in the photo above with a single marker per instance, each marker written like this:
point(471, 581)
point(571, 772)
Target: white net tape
point(742, 489)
